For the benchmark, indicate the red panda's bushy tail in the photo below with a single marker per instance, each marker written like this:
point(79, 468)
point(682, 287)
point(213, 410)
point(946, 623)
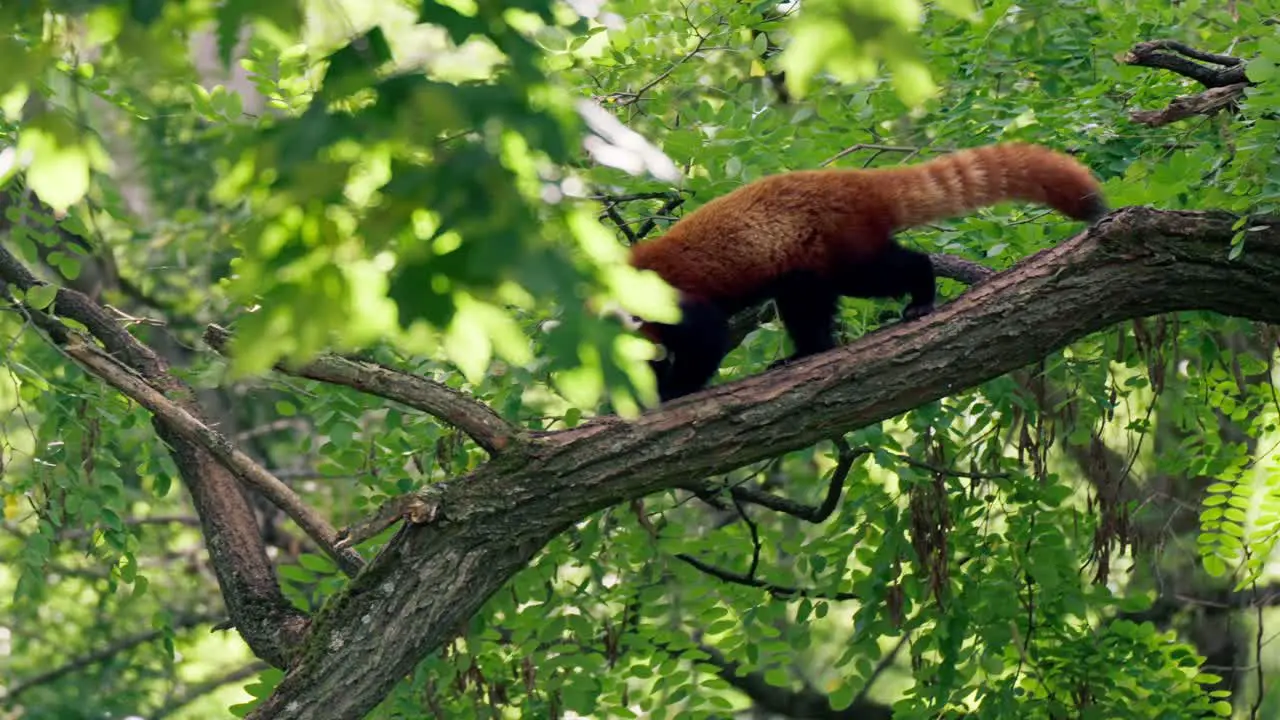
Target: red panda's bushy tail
point(969, 179)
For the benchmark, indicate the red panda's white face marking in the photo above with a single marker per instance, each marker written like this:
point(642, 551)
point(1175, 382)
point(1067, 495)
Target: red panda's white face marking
point(635, 323)
point(629, 321)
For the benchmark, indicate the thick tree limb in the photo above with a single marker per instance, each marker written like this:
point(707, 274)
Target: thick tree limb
point(481, 530)
point(177, 419)
point(471, 416)
point(264, 617)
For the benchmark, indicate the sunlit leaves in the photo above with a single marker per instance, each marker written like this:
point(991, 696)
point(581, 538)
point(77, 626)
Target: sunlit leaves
point(41, 297)
point(58, 159)
point(23, 59)
point(852, 38)
point(356, 65)
point(460, 25)
point(285, 15)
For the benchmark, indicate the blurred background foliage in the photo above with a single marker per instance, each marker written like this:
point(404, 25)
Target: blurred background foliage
point(450, 187)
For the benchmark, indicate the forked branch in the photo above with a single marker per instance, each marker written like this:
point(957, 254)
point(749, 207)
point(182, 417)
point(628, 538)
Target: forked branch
point(749, 580)
point(809, 513)
point(1225, 83)
point(1179, 58)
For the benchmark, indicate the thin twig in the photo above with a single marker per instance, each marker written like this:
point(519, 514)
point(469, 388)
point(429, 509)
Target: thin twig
point(624, 99)
point(755, 537)
point(476, 419)
point(105, 653)
point(809, 513)
point(631, 197)
point(651, 222)
point(881, 666)
point(195, 691)
point(939, 470)
point(611, 210)
point(779, 591)
point(187, 520)
point(869, 146)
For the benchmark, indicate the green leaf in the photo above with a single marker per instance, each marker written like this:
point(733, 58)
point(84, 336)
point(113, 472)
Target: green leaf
point(41, 297)
point(964, 9)
point(145, 12)
point(59, 168)
point(1261, 69)
point(317, 563)
point(460, 26)
point(1214, 565)
point(467, 344)
point(355, 66)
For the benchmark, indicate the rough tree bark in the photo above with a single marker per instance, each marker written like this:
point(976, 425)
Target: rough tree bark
point(474, 533)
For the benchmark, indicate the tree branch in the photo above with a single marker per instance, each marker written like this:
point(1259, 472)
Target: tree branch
point(474, 418)
point(240, 464)
point(478, 531)
point(623, 99)
point(105, 653)
point(1185, 106)
point(1152, 54)
point(809, 513)
point(805, 703)
point(77, 533)
point(749, 580)
point(259, 610)
point(1225, 84)
point(195, 691)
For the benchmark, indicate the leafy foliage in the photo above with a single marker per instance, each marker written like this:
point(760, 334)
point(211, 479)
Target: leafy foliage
point(432, 184)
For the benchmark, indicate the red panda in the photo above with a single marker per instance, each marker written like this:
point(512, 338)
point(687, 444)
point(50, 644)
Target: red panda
point(805, 238)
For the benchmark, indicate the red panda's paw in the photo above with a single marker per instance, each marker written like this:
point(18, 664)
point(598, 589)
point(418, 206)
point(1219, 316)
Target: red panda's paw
point(914, 312)
point(783, 362)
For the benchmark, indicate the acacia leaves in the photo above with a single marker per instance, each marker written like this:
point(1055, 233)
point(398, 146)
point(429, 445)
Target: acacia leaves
point(851, 38)
point(375, 202)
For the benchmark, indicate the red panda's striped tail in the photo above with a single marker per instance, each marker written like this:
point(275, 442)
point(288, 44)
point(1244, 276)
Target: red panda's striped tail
point(963, 181)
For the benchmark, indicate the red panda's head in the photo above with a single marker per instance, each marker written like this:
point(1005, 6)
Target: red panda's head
point(634, 323)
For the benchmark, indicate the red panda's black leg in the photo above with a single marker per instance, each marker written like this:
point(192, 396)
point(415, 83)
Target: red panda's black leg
point(895, 272)
point(918, 279)
point(807, 306)
point(695, 346)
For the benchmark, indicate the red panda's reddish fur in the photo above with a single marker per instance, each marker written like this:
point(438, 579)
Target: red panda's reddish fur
point(806, 237)
point(821, 220)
